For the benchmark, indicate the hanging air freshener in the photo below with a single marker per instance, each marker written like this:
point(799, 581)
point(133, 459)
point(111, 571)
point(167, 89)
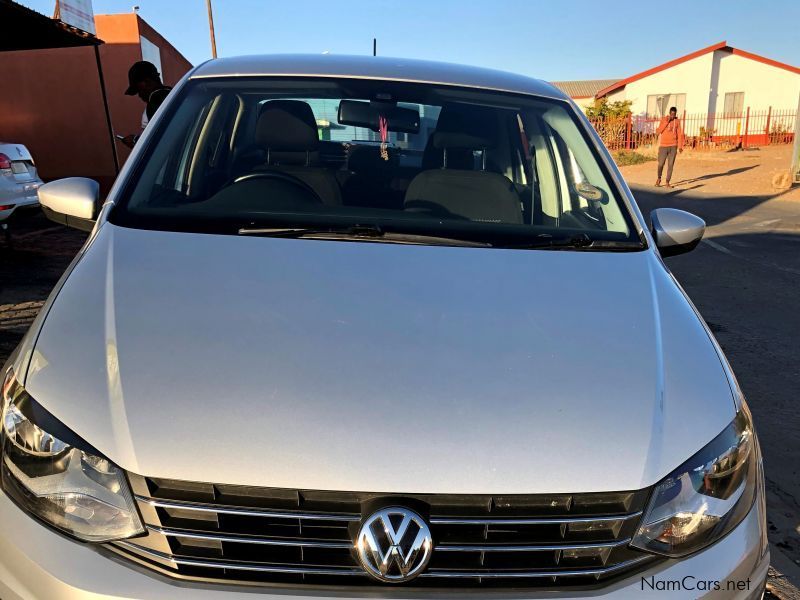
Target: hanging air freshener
point(383, 129)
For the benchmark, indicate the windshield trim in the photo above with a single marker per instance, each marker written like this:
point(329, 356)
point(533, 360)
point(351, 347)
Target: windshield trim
point(430, 82)
point(122, 194)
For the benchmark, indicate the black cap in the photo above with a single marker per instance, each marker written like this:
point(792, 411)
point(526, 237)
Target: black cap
point(140, 71)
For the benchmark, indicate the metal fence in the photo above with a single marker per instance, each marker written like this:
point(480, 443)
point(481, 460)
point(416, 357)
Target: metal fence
point(703, 131)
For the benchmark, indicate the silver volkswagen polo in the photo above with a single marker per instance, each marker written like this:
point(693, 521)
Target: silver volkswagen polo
point(366, 327)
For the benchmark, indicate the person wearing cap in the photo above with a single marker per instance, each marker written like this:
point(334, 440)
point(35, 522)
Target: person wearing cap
point(144, 81)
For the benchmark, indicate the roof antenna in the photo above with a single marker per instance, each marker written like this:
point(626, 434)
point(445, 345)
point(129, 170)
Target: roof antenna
point(374, 46)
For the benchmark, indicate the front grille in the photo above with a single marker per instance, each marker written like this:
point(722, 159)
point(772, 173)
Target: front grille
point(265, 535)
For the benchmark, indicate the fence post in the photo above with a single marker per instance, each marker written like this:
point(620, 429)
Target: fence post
point(746, 126)
point(628, 132)
point(769, 114)
point(683, 126)
point(795, 168)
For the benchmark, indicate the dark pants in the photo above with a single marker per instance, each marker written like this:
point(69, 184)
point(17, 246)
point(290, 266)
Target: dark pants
point(666, 154)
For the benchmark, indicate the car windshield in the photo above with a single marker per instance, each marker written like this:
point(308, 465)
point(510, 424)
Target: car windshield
point(388, 161)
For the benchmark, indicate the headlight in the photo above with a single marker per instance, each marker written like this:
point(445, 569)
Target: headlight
point(56, 476)
point(706, 497)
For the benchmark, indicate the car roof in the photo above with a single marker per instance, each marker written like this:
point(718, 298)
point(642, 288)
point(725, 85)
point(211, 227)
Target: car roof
point(378, 68)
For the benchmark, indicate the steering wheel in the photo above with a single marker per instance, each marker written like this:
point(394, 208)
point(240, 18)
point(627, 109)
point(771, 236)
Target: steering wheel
point(279, 176)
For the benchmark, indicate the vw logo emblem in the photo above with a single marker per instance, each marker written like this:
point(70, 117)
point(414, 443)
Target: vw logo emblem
point(394, 544)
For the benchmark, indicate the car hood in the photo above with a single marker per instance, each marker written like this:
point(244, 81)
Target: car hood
point(378, 367)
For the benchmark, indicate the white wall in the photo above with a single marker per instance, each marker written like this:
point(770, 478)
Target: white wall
point(763, 85)
point(692, 78)
point(619, 95)
point(151, 53)
point(583, 103)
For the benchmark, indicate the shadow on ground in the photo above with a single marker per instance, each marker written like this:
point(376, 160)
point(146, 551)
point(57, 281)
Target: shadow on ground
point(715, 175)
point(714, 209)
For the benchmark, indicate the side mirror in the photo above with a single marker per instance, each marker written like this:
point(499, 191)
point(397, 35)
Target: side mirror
point(676, 231)
point(72, 201)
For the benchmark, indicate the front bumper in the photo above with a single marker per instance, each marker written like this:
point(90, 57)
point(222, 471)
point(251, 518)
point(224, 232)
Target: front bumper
point(36, 563)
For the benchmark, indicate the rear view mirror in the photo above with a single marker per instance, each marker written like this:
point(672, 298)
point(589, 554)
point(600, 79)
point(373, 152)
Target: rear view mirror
point(72, 201)
point(366, 114)
point(676, 231)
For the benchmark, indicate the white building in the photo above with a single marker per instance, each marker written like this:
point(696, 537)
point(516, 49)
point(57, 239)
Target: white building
point(719, 79)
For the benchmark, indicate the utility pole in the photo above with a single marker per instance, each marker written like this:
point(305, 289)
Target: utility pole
point(211, 30)
point(374, 46)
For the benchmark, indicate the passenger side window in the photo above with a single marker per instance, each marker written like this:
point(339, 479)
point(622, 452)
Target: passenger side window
point(585, 198)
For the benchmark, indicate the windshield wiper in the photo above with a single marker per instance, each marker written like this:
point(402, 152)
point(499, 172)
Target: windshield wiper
point(360, 232)
point(368, 231)
point(546, 240)
point(580, 241)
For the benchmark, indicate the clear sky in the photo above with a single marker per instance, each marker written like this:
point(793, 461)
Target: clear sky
point(553, 40)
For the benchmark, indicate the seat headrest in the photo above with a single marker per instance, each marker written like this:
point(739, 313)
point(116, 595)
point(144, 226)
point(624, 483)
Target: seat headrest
point(464, 141)
point(287, 126)
point(465, 126)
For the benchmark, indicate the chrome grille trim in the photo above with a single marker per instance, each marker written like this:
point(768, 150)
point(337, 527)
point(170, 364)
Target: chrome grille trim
point(544, 521)
point(142, 551)
point(443, 573)
point(270, 569)
point(247, 539)
point(529, 548)
point(251, 539)
point(272, 536)
point(242, 566)
point(250, 512)
point(532, 574)
point(247, 512)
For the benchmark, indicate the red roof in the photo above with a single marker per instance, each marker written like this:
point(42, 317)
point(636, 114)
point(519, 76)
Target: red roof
point(714, 47)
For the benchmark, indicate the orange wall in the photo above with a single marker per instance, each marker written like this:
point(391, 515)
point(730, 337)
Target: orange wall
point(55, 106)
point(122, 49)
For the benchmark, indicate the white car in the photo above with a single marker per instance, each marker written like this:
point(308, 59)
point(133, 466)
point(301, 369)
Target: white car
point(453, 364)
point(19, 182)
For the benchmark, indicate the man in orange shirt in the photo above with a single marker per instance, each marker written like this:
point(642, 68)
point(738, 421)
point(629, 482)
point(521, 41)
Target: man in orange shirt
point(670, 142)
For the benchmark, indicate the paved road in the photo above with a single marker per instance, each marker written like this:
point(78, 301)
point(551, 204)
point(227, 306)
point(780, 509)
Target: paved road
point(745, 279)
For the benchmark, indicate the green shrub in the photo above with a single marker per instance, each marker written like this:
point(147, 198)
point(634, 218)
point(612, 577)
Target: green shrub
point(624, 158)
point(603, 109)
